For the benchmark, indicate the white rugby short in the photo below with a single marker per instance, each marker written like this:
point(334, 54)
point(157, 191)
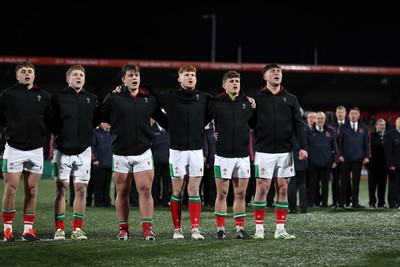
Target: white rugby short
point(133, 164)
point(186, 162)
point(15, 160)
point(77, 166)
point(269, 165)
point(226, 168)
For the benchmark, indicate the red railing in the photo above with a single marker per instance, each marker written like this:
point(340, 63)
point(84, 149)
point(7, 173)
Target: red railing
point(160, 64)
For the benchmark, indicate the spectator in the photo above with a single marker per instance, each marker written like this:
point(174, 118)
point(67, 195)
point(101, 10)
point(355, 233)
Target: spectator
point(377, 170)
point(162, 177)
point(133, 195)
point(298, 182)
point(251, 187)
point(392, 152)
point(208, 181)
point(101, 167)
point(322, 158)
point(336, 124)
point(311, 118)
point(354, 151)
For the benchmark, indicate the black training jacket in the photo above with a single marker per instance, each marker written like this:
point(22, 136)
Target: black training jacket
point(75, 117)
point(187, 117)
point(25, 114)
point(130, 120)
point(277, 116)
point(231, 120)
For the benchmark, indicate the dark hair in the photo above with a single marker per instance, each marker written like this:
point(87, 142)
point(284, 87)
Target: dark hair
point(24, 64)
point(129, 67)
point(229, 75)
point(356, 109)
point(270, 66)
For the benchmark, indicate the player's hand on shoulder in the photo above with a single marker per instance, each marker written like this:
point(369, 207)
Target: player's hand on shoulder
point(252, 101)
point(117, 89)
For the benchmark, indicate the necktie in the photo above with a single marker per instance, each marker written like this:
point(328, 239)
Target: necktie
point(353, 126)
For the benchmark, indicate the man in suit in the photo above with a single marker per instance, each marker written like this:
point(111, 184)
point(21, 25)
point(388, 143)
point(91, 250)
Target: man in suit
point(377, 171)
point(392, 152)
point(354, 151)
point(323, 157)
point(335, 124)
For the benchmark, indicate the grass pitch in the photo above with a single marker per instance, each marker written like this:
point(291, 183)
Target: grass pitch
point(324, 237)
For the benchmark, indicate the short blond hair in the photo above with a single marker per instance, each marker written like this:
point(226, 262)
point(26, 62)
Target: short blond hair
point(74, 67)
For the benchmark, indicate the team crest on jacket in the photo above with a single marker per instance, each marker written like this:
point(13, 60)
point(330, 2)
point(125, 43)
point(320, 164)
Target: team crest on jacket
point(88, 100)
point(244, 106)
point(328, 134)
point(39, 98)
point(361, 130)
point(146, 100)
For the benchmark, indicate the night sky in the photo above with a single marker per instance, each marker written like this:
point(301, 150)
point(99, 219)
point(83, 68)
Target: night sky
point(175, 30)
